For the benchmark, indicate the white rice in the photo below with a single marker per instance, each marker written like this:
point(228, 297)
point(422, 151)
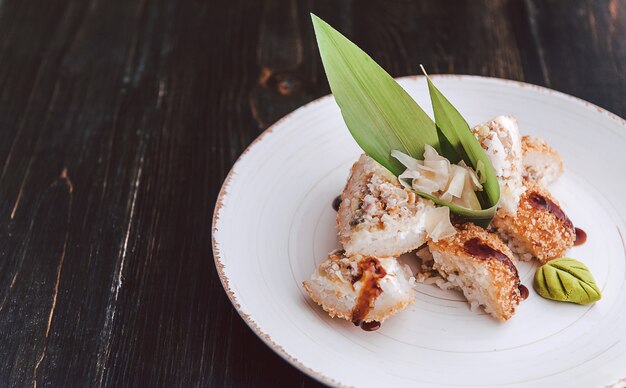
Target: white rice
point(428, 275)
point(519, 250)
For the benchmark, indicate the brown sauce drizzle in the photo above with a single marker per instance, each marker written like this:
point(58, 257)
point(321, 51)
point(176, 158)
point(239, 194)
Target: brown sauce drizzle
point(581, 237)
point(542, 203)
point(477, 248)
point(523, 291)
point(336, 203)
point(371, 271)
point(370, 326)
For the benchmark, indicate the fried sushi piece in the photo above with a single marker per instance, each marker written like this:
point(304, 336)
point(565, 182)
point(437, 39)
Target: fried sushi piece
point(482, 266)
point(539, 228)
point(501, 141)
point(361, 288)
point(377, 216)
point(541, 162)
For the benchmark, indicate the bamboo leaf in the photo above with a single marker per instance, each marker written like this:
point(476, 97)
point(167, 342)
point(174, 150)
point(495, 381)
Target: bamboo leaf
point(479, 217)
point(459, 136)
point(380, 115)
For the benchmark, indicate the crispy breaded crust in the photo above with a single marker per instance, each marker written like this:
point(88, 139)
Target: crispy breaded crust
point(336, 286)
point(466, 232)
point(374, 315)
point(377, 216)
point(534, 229)
point(502, 284)
point(541, 162)
point(535, 144)
point(338, 271)
point(334, 312)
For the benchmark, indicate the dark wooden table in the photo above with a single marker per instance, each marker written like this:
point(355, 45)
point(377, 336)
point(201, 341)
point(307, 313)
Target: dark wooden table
point(120, 119)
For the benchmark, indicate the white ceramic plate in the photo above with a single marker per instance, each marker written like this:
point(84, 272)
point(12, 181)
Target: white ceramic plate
point(274, 224)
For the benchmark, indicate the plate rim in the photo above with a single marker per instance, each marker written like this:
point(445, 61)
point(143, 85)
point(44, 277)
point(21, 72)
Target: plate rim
point(223, 192)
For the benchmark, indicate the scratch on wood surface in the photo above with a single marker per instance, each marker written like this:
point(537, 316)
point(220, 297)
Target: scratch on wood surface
point(613, 20)
point(54, 304)
point(41, 357)
point(103, 354)
point(64, 176)
point(161, 93)
point(56, 289)
point(128, 229)
point(105, 348)
point(30, 101)
point(116, 114)
point(613, 10)
point(265, 76)
point(17, 201)
point(17, 271)
point(13, 281)
point(592, 26)
point(6, 295)
point(19, 195)
point(30, 162)
point(70, 189)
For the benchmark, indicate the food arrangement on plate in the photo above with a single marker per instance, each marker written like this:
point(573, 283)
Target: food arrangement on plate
point(468, 203)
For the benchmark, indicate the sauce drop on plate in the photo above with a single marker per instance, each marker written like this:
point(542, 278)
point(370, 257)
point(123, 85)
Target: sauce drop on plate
point(523, 291)
point(581, 237)
point(336, 203)
point(370, 326)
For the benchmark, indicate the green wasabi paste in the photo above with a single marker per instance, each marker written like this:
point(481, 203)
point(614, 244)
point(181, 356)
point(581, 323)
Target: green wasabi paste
point(566, 280)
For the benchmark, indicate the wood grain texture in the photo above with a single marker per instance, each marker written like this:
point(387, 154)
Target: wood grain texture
point(120, 119)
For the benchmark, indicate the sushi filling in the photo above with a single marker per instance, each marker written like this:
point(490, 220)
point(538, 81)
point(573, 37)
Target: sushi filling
point(501, 141)
point(435, 175)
